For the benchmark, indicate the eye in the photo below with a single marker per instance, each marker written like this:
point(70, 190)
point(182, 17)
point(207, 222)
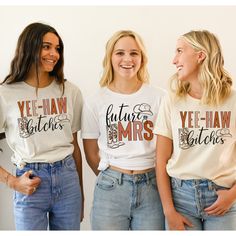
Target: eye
point(179, 50)
point(58, 49)
point(120, 53)
point(45, 46)
point(134, 53)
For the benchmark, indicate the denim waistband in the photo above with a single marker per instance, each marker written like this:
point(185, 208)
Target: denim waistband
point(134, 178)
point(194, 182)
point(41, 165)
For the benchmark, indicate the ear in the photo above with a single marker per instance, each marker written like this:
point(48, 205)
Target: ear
point(201, 57)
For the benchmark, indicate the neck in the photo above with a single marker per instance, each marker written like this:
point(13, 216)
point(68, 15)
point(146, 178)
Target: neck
point(44, 79)
point(125, 86)
point(196, 91)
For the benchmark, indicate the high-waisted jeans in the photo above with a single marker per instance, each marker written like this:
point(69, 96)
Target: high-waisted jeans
point(56, 204)
point(123, 202)
point(191, 197)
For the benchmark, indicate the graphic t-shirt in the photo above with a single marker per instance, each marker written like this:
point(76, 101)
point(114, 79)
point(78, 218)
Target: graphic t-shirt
point(39, 127)
point(123, 125)
point(204, 139)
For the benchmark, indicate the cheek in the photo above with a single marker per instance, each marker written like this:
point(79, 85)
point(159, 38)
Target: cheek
point(139, 63)
point(114, 62)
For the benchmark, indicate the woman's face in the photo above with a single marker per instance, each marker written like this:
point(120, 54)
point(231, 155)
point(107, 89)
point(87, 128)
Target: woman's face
point(186, 60)
point(49, 55)
point(126, 58)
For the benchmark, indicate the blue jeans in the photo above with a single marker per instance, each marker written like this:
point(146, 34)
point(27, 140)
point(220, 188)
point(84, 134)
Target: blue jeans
point(191, 197)
point(56, 204)
point(123, 202)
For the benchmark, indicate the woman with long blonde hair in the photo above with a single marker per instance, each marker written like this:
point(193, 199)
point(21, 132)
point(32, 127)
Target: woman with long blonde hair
point(196, 148)
point(117, 125)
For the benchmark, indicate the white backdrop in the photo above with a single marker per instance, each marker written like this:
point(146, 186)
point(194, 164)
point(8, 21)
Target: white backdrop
point(85, 30)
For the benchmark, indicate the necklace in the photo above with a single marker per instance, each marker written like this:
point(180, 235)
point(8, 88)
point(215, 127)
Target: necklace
point(127, 90)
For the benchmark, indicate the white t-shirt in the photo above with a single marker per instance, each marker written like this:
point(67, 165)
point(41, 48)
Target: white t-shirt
point(123, 125)
point(204, 139)
point(39, 127)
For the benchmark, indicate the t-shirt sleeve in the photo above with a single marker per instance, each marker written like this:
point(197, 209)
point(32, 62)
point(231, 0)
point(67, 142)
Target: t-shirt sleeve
point(2, 115)
point(90, 122)
point(163, 121)
point(77, 111)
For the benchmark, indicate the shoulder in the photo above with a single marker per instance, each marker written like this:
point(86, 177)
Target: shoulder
point(232, 98)
point(97, 99)
point(97, 95)
point(12, 88)
point(155, 89)
point(71, 87)
point(233, 93)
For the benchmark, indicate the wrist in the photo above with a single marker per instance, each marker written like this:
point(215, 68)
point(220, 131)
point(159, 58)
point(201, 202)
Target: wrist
point(9, 181)
point(169, 211)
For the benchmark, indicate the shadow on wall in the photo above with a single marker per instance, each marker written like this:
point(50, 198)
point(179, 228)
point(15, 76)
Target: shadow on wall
point(2, 136)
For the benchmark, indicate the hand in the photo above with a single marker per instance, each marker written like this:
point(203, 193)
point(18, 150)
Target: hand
point(177, 222)
point(24, 184)
point(82, 212)
point(221, 205)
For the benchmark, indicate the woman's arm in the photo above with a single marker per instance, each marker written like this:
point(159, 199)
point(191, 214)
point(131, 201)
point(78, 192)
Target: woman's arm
point(92, 154)
point(163, 153)
point(78, 162)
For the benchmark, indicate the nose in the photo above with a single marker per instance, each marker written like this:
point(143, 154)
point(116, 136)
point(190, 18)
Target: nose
point(53, 52)
point(127, 58)
point(174, 61)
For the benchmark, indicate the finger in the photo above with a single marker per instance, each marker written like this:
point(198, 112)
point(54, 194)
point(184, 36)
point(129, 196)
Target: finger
point(212, 207)
point(215, 211)
point(28, 173)
point(187, 222)
point(36, 180)
point(223, 213)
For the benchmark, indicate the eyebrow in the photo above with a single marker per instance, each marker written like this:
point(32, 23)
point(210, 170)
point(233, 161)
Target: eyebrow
point(132, 50)
point(45, 42)
point(179, 48)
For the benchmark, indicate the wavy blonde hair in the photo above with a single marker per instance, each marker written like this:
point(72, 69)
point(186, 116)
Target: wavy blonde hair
point(214, 79)
point(107, 76)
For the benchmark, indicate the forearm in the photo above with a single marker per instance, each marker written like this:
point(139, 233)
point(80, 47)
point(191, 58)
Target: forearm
point(92, 154)
point(164, 187)
point(93, 162)
point(4, 176)
point(163, 154)
point(78, 162)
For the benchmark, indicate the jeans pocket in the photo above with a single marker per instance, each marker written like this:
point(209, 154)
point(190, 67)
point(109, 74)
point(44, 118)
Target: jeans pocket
point(106, 182)
point(218, 187)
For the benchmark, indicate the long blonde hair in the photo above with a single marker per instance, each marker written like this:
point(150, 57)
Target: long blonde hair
point(107, 76)
point(213, 78)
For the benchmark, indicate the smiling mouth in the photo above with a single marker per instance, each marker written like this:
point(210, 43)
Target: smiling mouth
point(50, 61)
point(127, 67)
point(179, 68)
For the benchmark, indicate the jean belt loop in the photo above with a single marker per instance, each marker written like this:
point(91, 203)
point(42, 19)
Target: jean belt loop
point(210, 185)
point(120, 178)
point(147, 178)
point(63, 161)
point(179, 182)
point(36, 166)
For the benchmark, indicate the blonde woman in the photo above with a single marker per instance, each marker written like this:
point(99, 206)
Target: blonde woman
point(196, 148)
point(117, 125)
